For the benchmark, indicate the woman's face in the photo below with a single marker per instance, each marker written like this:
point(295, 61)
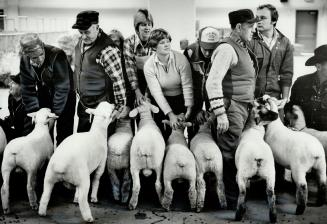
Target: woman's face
point(163, 47)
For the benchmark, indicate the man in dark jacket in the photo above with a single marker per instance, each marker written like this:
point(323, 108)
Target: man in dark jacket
point(310, 92)
point(98, 70)
point(13, 125)
point(274, 53)
point(47, 81)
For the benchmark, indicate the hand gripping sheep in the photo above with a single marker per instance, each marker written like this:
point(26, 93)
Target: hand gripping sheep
point(179, 164)
point(254, 158)
point(208, 159)
point(29, 153)
point(147, 150)
point(119, 145)
point(77, 157)
point(299, 152)
point(297, 121)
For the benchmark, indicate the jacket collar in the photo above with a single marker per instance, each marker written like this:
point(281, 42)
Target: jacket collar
point(236, 38)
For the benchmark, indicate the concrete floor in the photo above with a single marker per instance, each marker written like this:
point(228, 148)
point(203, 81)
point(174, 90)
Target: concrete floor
point(61, 210)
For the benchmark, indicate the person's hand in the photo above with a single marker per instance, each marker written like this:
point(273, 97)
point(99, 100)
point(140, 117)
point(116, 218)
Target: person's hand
point(173, 119)
point(281, 103)
point(114, 115)
point(200, 117)
point(188, 112)
point(181, 117)
point(222, 123)
point(139, 97)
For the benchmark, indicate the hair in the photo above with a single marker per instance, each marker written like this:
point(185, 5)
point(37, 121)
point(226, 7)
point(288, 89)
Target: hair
point(115, 32)
point(156, 36)
point(273, 12)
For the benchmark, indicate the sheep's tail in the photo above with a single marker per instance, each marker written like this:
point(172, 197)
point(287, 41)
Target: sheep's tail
point(258, 161)
point(147, 172)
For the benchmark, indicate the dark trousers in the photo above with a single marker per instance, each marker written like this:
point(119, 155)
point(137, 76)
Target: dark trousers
point(237, 113)
point(177, 105)
point(84, 122)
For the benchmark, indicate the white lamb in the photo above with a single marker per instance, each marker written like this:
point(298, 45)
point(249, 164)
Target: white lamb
point(29, 153)
point(3, 140)
point(254, 158)
point(299, 152)
point(297, 121)
point(179, 164)
point(119, 145)
point(77, 157)
point(147, 150)
point(208, 159)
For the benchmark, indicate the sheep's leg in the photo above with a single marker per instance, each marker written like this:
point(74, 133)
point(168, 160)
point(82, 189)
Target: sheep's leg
point(271, 198)
point(115, 184)
point(76, 195)
point(158, 184)
point(136, 189)
point(6, 168)
point(168, 195)
point(83, 190)
point(201, 191)
point(96, 180)
point(47, 189)
point(240, 210)
point(192, 193)
point(301, 190)
point(321, 174)
point(31, 182)
point(221, 189)
point(126, 186)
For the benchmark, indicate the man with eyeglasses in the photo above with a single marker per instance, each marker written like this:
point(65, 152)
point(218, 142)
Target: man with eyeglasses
point(274, 53)
point(47, 81)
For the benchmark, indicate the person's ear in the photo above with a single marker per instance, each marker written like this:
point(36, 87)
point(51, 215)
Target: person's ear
point(238, 27)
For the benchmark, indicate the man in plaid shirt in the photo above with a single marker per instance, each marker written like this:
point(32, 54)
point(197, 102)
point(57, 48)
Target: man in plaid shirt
point(137, 51)
point(98, 72)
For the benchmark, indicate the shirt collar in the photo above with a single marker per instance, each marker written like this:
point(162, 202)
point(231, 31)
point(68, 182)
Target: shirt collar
point(235, 37)
point(170, 60)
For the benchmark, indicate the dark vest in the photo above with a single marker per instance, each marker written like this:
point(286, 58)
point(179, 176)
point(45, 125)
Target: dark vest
point(91, 81)
point(239, 82)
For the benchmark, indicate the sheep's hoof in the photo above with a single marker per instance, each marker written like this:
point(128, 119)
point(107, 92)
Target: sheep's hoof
point(273, 217)
point(131, 206)
point(198, 209)
point(42, 213)
point(124, 199)
point(94, 200)
point(166, 207)
point(75, 200)
point(6, 211)
point(239, 213)
point(90, 219)
point(34, 207)
point(300, 209)
point(223, 205)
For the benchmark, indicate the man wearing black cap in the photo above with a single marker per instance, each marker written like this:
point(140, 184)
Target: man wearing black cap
point(13, 125)
point(98, 72)
point(230, 87)
point(310, 92)
point(47, 81)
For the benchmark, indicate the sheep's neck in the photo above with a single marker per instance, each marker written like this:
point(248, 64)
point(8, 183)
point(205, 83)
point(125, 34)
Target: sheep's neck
point(124, 125)
point(40, 129)
point(177, 137)
point(100, 127)
point(205, 128)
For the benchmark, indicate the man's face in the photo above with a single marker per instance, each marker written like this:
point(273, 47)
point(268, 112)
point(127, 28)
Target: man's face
point(14, 89)
point(144, 30)
point(246, 31)
point(207, 53)
point(90, 35)
point(37, 56)
point(265, 16)
point(322, 68)
point(116, 40)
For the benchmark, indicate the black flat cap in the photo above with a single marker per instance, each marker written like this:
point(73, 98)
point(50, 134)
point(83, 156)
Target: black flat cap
point(85, 19)
point(242, 16)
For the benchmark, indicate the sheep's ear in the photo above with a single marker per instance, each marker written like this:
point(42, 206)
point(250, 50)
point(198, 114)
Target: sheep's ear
point(90, 111)
point(188, 124)
point(133, 113)
point(154, 109)
point(53, 116)
point(166, 122)
point(32, 115)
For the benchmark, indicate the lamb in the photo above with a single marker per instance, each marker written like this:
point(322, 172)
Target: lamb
point(3, 140)
point(147, 150)
point(76, 158)
point(254, 158)
point(299, 152)
point(208, 159)
point(297, 121)
point(119, 145)
point(29, 153)
point(179, 164)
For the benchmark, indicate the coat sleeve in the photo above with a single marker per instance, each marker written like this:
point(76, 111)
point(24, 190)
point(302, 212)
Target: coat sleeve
point(286, 69)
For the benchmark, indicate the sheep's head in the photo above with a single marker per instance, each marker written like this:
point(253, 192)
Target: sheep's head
point(104, 110)
point(296, 118)
point(42, 116)
point(264, 110)
point(143, 108)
